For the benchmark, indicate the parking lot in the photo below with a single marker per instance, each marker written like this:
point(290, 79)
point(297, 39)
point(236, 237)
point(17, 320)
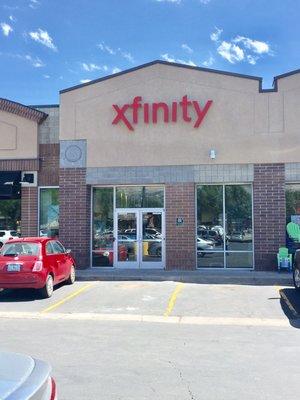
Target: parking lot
point(160, 340)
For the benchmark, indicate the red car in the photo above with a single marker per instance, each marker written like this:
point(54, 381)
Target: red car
point(37, 262)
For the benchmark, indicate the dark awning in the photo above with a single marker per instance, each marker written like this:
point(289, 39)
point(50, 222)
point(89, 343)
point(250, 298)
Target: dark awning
point(10, 186)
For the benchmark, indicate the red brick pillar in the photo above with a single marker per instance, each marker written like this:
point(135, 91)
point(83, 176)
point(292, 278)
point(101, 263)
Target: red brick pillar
point(74, 214)
point(180, 239)
point(269, 214)
point(29, 211)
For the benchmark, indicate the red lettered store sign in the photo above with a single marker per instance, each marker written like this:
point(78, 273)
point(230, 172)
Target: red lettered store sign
point(137, 112)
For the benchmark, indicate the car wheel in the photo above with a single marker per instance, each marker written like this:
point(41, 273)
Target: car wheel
point(296, 278)
point(47, 290)
point(72, 276)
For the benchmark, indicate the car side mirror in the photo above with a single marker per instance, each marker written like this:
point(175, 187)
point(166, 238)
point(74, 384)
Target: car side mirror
point(68, 251)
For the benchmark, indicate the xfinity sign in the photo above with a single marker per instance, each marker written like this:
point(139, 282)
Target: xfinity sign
point(137, 112)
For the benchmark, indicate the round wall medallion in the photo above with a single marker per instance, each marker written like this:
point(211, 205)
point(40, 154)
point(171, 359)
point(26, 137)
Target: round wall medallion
point(73, 153)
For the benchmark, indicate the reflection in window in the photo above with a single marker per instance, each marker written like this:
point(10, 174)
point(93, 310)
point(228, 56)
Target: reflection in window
point(49, 212)
point(103, 227)
point(292, 197)
point(10, 215)
point(238, 211)
point(139, 197)
point(230, 232)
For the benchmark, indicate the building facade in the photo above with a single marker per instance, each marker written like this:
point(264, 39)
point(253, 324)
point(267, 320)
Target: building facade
point(161, 166)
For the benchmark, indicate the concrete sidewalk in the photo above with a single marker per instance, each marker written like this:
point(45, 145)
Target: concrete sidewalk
point(198, 276)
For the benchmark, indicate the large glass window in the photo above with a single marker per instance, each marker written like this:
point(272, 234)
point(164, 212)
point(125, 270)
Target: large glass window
point(49, 212)
point(292, 197)
point(10, 215)
point(224, 226)
point(140, 197)
point(103, 227)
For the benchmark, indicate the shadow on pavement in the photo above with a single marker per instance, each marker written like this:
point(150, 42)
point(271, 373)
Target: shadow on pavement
point(290, 304)
point(22, 295)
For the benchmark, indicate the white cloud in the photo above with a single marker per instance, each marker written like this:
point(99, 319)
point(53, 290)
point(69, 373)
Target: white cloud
point(35, 61)
point(215, 36)
point(209, 62)
point(103, 47)
point(6, 29)
point(85, 80)
point(204, 1)
point(169, 1)
point(34, 3)
point(256, 46)
point(90, 67)
point(44, 38)
point(231, 52)
point(46, 76)
point(115, 70)
point(187, 48)
point(169, 58)
point(12, 18)
point(127, 56)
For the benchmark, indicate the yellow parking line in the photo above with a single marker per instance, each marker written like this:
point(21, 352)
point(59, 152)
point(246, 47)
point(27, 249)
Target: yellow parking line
point(173, 298)
point(71, 296)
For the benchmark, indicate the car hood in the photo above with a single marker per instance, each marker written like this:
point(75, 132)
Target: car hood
point(15, 370)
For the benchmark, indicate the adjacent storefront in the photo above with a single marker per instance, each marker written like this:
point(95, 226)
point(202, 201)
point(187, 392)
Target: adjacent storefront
point(163, 166)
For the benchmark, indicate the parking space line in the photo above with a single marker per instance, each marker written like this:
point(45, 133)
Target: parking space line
point(65, 299)
point(173, 298)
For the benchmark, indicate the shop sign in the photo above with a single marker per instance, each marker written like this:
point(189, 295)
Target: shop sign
point(129, 113)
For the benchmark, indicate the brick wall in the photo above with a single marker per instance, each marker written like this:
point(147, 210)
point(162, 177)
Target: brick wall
point(49, 165)
point(180, 240)
point(74, 213)
point(29, 211)
point(269, 214)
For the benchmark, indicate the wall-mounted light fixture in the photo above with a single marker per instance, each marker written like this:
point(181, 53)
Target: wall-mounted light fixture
point(212, 154)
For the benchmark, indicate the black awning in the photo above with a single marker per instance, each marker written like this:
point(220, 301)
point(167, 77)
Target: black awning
point(10, 186)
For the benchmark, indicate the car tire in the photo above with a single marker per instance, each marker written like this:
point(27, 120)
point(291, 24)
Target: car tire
point(296, 277)
point(47, 290)
point(72, 277)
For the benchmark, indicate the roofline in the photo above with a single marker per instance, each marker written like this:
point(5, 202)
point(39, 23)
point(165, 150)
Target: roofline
point(149, 64)
point(18, 109)
point(44, 106)
point(294, 72)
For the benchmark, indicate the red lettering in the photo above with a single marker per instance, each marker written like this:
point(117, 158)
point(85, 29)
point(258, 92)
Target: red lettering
point(184, 104)
point(146, 113)
point(174, 111)
point(201, 113)
point(156, 107)
point(135, 107)
point(121, 116)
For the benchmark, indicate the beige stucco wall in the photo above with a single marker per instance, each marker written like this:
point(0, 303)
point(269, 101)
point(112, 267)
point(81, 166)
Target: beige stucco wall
point(18, 137)
point(242, 125)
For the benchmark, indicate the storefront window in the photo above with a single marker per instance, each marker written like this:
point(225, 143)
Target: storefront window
point(103, 222)
point(49, 212)
point(140, 197)
point(292, 197)
point(224, 226)
point(10, 215)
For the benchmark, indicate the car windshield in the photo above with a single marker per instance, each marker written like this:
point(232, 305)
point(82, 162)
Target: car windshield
point(16, 249)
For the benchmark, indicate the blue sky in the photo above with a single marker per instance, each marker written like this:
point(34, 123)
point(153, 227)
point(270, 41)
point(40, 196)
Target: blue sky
point(48, 45)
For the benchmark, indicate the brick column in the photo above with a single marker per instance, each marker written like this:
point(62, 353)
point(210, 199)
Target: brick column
point(29, 211)
point(180, 240)
point(269, 214)
point(74, 213)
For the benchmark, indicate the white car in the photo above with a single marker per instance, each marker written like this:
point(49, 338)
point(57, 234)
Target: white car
point(203, 244)
point(6, 235)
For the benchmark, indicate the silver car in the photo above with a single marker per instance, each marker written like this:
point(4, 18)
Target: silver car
point(25, 378)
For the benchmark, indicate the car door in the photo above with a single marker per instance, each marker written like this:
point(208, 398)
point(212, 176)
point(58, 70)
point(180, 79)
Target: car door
point(62, 259)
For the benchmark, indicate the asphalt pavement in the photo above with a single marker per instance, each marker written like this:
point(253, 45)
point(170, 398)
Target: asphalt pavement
point(160, 340)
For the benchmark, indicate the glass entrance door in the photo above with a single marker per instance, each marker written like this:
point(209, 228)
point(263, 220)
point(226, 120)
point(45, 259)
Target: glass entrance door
point(140, 238)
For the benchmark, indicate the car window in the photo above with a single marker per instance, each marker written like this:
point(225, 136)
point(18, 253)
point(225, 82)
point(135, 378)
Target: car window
point(49, 248)
point(58, 248)
point(2, 233)
point(24, 249)
point(13, 233)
